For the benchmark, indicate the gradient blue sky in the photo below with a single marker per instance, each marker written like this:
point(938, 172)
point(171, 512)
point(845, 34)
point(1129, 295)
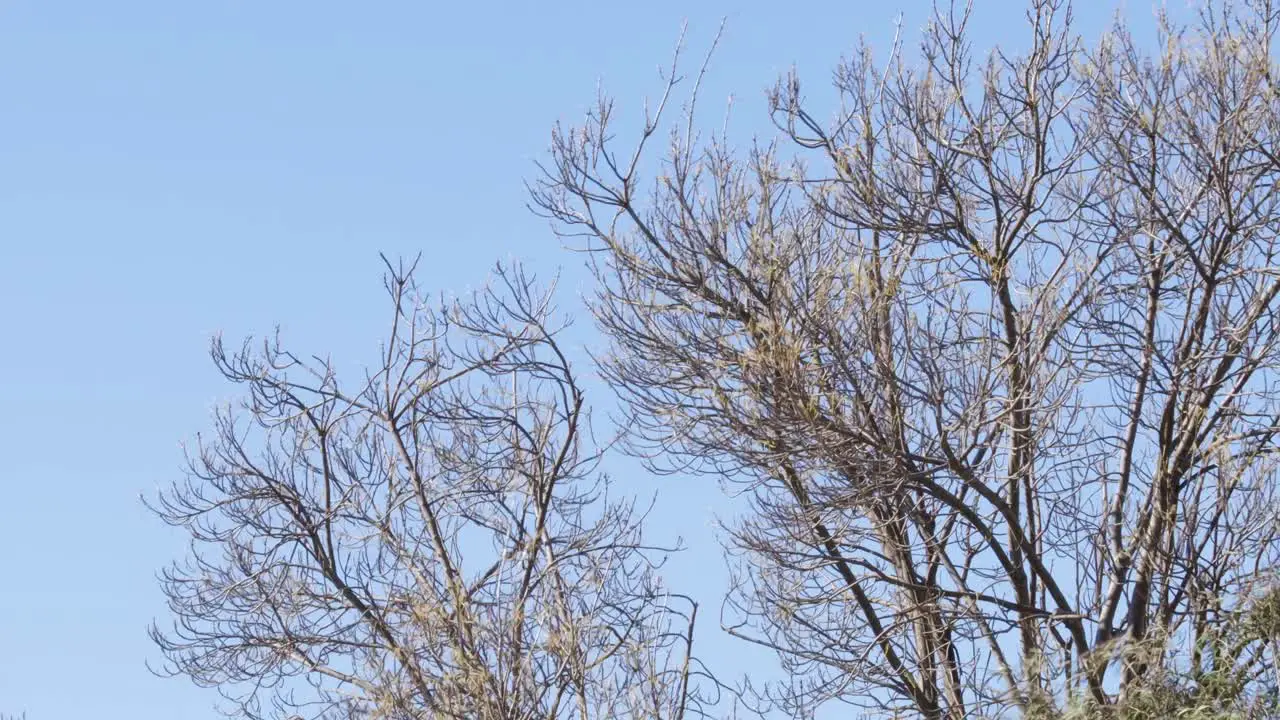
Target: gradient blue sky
point(172, 169)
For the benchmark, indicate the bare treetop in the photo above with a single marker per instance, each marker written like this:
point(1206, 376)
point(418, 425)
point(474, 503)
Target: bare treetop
point(996, 356)
point(434, 542)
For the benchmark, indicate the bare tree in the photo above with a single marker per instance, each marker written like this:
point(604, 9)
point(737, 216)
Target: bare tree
point(994, 350)
point(437, 542)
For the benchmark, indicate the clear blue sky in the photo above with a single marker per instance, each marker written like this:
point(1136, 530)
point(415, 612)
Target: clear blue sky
point(171, 169)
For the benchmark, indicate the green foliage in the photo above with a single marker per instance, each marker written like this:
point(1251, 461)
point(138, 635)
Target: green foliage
point(1233, 680)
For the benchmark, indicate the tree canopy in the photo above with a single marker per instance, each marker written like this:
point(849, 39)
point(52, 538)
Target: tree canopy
point(992, 349)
